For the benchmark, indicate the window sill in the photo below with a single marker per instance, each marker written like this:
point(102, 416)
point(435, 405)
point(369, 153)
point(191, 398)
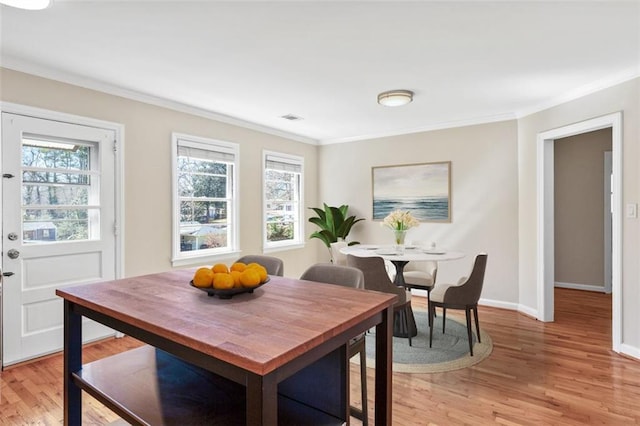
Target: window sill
point(275, 249)
point(205, 259)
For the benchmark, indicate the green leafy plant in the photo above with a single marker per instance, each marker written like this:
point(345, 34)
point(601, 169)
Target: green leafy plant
point(333, 223)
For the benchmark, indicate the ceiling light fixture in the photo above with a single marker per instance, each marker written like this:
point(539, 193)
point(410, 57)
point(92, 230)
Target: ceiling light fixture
point(394, 98)
point(27, 4)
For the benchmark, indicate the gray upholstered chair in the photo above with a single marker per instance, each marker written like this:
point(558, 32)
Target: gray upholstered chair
point(376, 278)
point(464, 295)
point(349, 277)
point(274, 265)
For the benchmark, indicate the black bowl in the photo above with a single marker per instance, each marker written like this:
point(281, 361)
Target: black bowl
point(228, 293)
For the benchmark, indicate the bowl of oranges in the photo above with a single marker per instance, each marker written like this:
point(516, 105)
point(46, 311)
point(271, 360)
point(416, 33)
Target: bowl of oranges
point(225, 282)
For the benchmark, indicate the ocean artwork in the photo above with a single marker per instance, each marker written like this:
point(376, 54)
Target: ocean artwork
point(422, 189)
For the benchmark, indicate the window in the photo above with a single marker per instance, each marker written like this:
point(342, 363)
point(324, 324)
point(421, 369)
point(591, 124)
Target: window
point(205, 218)
point(60, 190)
point(283, 200)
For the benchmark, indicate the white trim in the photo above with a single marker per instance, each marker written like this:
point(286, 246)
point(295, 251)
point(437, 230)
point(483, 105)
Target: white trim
point(291, 246)
point(498, 304)
point(585, 287)
point(630, 350)
point(268, 247)
point(527, 310)
point(587, 89)
point(545, 237)
point(119, 195)
point(16, 64)
point(89, 83)
point(431, 127)
point(205, 260)
point(179, 258)
point(608, 174)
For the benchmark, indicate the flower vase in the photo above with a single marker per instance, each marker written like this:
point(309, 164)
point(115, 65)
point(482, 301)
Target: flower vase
point(399, 235)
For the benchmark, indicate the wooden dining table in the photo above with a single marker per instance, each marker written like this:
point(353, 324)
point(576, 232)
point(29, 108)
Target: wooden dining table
point(276, 356)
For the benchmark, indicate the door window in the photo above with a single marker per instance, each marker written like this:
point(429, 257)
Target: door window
point(60, 192)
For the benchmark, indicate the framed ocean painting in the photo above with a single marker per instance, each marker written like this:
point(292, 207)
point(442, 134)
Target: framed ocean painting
point(423, 189)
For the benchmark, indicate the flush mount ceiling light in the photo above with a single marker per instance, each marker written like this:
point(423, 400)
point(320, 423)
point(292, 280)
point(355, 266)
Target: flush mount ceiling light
point(394, 98)
point(27, 4)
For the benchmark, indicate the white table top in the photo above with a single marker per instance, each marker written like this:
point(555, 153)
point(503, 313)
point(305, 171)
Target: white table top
point(411, 253)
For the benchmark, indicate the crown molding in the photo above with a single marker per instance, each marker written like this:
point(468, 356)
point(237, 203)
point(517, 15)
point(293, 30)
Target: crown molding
point(430, 127)
point(88, 83)
point(587, 89)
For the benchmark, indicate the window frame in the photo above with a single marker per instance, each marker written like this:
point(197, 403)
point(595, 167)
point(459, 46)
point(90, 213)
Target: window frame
point(299, 229)
point(181, 258)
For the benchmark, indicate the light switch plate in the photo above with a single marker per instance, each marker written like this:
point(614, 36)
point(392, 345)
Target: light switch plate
point(632, 211)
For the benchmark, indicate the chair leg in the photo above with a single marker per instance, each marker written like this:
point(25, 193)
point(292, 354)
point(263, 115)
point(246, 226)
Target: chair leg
point(429, 300)
point(431, 312)
point(429, 305)
point(406, 324)
point(475, 314)
point(363, 387)
point(444, 317)
point(468, 315)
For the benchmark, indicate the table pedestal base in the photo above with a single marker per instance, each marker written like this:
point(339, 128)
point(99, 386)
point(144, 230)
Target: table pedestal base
point(404, 323)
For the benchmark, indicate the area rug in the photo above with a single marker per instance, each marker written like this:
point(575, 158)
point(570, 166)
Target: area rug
point(450, 351)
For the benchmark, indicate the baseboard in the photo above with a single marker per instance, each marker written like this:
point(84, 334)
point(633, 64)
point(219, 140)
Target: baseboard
point(586, 287)
point(526, 310)
point(529, 311)
point(629, 350)
point(498, 304)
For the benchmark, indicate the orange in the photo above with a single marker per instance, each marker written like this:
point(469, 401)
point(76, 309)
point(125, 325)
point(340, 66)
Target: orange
point(236, 278)
point(203, 277)
point(249, 278)
point(262, 271)
point(222, 281)
point(220, 267)
point(238, 266)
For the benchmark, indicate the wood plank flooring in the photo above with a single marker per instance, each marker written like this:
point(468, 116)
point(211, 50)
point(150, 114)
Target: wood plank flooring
point(561, 373)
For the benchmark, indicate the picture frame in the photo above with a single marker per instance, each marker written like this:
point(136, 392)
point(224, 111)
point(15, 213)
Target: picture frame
point(424, 189)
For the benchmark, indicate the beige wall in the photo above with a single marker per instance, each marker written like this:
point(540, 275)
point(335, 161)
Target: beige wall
point(579, 208)
point(624, 97)
point(493, 183)
point(484, 195)
point(147, 168)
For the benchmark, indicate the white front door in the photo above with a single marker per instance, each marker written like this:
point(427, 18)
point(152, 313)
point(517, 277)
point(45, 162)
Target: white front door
point(58, 221)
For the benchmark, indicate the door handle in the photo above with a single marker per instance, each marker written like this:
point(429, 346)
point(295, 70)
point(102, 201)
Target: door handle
point(13, 254)
point(7, 274)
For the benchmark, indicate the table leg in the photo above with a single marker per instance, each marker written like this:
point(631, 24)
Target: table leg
point(72, 363)
point(384, 348)
point(262, 400)
point(402, 327)
point(399, 279)
point(404, 323)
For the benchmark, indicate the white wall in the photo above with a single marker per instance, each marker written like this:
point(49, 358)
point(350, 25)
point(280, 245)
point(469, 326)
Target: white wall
point(484, 202)
point(624, 97)
point(147, 158)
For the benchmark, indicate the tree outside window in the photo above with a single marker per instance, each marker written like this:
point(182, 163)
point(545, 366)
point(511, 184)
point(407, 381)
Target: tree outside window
point(205, 194)
point(282, 199)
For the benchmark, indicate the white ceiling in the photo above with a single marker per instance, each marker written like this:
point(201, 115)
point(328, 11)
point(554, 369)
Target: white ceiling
point(252, 62)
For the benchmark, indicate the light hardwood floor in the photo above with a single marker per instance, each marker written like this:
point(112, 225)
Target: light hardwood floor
point(561, 373)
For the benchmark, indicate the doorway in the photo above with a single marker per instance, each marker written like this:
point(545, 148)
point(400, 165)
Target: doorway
point(59, 223)
point(545, 213)
point(582, 212)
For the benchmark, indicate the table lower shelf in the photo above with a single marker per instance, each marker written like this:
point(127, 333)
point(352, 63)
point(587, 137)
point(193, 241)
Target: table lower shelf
point(149, 386)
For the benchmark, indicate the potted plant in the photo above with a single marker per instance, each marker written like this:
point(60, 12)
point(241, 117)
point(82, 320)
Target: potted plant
point(334, 224)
